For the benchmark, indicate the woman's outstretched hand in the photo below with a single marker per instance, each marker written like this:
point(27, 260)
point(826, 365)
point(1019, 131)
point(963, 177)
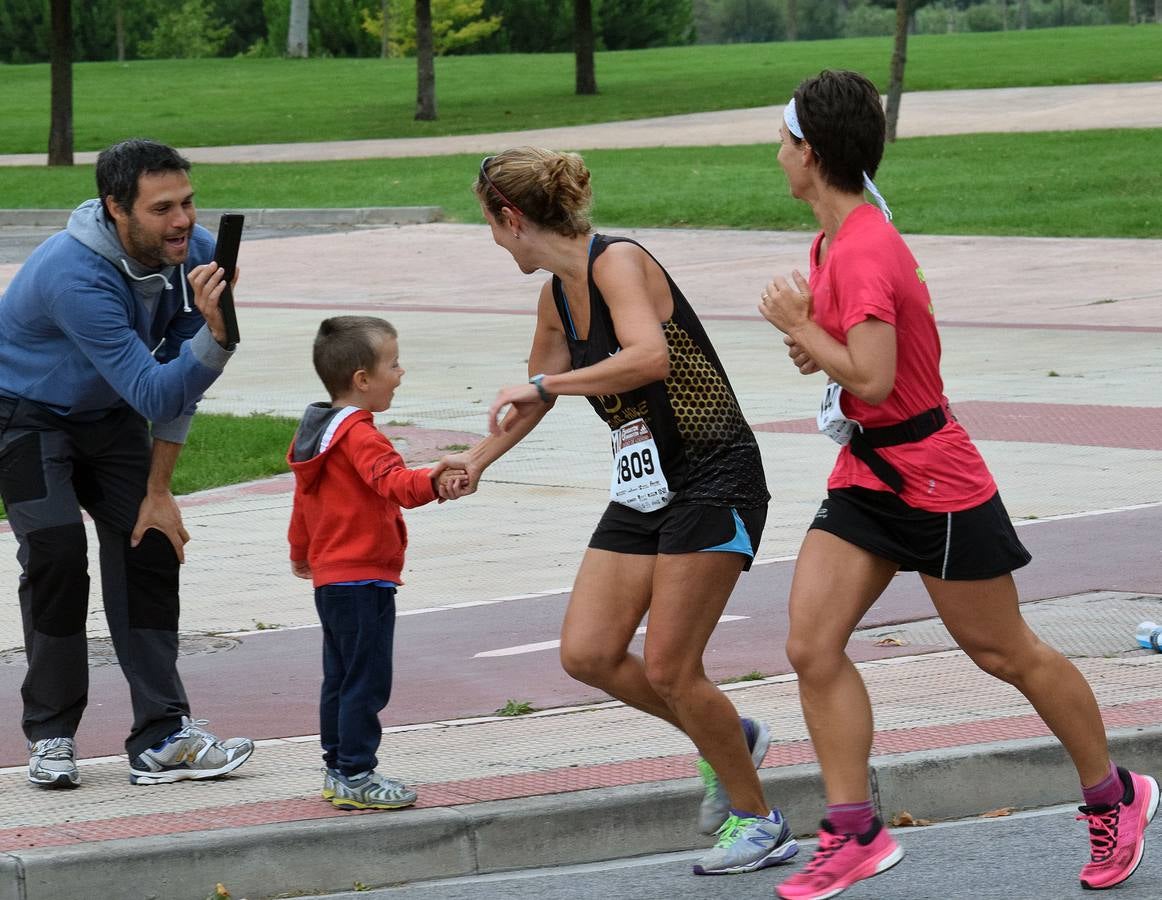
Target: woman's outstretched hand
point(521, 397)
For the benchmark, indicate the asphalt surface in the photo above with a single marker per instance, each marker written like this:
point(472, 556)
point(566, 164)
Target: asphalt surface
point(1032, 856)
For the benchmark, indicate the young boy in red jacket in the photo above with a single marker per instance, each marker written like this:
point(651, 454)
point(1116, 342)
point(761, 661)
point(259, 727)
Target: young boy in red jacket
point(347, 535)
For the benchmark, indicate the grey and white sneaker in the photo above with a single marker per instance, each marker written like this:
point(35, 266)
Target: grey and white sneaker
point(748, 843)
point(370, 790)
point(189, 754)
point(715, 802)
point(52, 763)
point(329, 775)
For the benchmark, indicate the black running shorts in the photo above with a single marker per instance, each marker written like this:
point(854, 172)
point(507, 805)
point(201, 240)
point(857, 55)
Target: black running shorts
point(681, 528)
point(971, 545)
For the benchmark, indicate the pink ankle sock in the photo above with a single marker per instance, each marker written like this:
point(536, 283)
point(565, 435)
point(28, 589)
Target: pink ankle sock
point(1107, 792)
point(851, 818)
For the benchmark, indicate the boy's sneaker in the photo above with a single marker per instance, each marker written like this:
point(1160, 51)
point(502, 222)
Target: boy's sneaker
point(189, 754)
point(1117, 834)
point(370, 790)
point(749, 843)
point(716, 802)
point(840, 861)
point(52, 762)
point(329, 775)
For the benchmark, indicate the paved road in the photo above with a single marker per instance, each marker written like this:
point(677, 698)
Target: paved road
point(1032, 856)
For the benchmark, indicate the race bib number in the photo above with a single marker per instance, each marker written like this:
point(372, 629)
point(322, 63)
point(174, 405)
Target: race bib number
point(637, 480)
point(831, 420)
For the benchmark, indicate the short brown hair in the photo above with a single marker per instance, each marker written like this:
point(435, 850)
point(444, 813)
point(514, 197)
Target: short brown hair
point(346, 344)
point(843, 121)
point(551, 189)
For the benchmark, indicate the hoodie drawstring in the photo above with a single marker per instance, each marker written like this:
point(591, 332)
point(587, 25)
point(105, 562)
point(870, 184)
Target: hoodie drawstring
point(168, 286)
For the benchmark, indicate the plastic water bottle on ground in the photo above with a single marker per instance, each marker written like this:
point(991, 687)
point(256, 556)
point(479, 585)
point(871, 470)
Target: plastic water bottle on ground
point(1150, 636)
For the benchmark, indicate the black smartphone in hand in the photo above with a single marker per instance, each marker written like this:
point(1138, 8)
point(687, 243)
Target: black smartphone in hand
point(226, 256)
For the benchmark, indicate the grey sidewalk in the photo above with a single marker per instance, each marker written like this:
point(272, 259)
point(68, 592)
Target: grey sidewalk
point(1065, 108)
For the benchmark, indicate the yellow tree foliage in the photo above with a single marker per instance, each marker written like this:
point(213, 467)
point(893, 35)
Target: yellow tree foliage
point(455, 24)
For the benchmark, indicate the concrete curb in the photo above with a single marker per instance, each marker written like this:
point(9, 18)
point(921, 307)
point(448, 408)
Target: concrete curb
point(269, 218)
point(328, 855)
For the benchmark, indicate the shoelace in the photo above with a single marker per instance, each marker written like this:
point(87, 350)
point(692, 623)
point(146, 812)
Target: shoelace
point(729, 831)
point(709, 778)
point(57, 748)
point(829, 844)
point(193, 728)
point(1103, 833)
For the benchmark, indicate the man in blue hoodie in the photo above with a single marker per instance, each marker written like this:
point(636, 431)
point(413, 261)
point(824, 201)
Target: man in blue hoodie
point(109, 335)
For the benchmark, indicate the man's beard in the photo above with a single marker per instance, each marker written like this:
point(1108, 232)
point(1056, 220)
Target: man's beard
point(152, 250)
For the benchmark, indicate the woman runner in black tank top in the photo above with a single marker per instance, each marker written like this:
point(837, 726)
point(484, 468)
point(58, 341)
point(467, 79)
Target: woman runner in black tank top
point(708, 452)
point(687, 493)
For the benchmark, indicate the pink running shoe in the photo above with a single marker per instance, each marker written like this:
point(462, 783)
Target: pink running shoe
point(841, 861)
point(1117, 834)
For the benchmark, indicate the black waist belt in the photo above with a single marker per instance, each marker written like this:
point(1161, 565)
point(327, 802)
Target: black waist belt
point(864, 443)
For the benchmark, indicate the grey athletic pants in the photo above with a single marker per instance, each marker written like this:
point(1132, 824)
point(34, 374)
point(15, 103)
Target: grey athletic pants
point(52, 467)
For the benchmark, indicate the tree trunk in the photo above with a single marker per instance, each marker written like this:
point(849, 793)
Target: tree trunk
point(299, 30)
point(899, 58)
point(425, 63)
point(1023, 14)
point(119, 24)
point(1158, 11)
point(583, 46)
point(385, 8)
point(1133, 13)
point(792, 20)
point(60, 132)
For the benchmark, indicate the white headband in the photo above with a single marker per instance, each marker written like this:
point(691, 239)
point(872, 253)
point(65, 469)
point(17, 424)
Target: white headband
point(791, 118)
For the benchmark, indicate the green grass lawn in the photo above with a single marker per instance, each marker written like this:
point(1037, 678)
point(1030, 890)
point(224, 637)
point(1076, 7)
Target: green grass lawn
point(225, 449)
point(1085, 183)
point(249, 101)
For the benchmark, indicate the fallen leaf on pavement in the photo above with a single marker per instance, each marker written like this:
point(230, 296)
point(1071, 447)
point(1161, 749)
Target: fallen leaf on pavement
point(998, 813)
point(889, 642)
point(904, 819)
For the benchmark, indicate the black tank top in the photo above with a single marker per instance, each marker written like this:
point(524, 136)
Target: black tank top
point(708, 451)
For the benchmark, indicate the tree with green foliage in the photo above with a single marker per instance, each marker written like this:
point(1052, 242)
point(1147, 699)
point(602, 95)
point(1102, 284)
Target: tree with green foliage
point(456, 25)
point(530, 26)
point(425, 63)
point(298, 33)
point(60, 133)
point(905, 9)
point(24, 31)
point(583, 47)
point(635, 24)
point(739, 21)
point(188, 32)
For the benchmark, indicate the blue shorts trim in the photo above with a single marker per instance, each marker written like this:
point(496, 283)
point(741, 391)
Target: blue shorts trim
point(740, 543)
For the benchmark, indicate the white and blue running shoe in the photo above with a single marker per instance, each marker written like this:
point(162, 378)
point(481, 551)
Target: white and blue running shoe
point(189, 754)
point(749, 843)
point(715, 803)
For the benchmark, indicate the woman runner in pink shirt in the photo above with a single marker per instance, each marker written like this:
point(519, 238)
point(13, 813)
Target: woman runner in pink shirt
point(909, 491)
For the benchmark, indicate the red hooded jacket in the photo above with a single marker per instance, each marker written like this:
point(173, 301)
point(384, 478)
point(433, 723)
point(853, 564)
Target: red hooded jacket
point(350, 483)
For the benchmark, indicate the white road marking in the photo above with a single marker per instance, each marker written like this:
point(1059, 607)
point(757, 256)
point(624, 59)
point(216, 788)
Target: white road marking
point(551, 645)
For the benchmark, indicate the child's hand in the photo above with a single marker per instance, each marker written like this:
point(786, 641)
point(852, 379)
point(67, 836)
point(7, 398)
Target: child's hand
point(452, 484)
point(300, 568)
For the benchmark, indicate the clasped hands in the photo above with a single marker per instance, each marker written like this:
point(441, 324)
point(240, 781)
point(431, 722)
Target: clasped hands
point(789, 307)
